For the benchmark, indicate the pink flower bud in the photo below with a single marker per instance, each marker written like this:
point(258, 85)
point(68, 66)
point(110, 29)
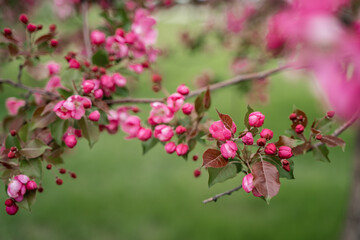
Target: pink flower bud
point(107, 81)
point(285, 165)
point(97, 37)
point(163, 132)
point(94, 116)
point(285, 152)
point(330, 114)
point(267, 134)
point(7, 31)
point(261, 142)
point(88, 86)
point(98, 93)
point(220, 132)
point(23, 18)
point(248, 139)
point(318, 136)
point(183, 89)
point(54, 42)
point(182, 149)
point(119, 80)
point(270, 149)
point(52, 28)
point(170, 147)
point(53, 68)
point(9, 202)
point(31, 27)
point(175, 101)
point(130, 38)
point(144, 134)
point(12, 210)
point(187, 108)
point(256, 119)
point(31, 185)
point(73, 63)
point(131, 126)
point(11, 155)
point(197, 173)
point(180, 129)
point(247, 183)
point(292, 116)
point(228, 149)
point(70, 141)
point(156, 78)
point(299, 129)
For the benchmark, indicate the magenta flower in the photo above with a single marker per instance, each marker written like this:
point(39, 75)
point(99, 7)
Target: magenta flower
point(247, 183)
point(163, 132)
point(187, 108)
point(182, 149)
point(144, 134)
point(170, 147)
point(285, 152)
point(116, 45)
point(143, 27)
point(97, 37)
point(256, 119)
point(12, 104)
point(131, 126)
point(175, 101)
point(159, 113)
point(220, 132)
point(248, 139)
point(228, 149)
point(53, 67)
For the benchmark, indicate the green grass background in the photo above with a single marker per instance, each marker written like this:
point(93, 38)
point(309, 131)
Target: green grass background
point(120, 194)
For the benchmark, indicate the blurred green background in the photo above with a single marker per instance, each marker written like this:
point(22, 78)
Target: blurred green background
point(120, 194)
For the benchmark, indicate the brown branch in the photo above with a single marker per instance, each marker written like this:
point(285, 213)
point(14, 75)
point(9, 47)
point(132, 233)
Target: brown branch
point(229, 192)
point(232, 81)
point(29, 89)
point(21, 67)
point(85, 28)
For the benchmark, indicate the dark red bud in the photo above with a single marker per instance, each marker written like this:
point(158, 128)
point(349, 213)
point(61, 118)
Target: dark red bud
point(318, 137)
point(59, 181)
point(7, 31)
point(52, 28)
point(11, 155)
point(94, 68)
point(54, 42)
point(40, 189)
point(156, 78)
point(292, 116)
point(39, 27)
point(49, 166)
point(197, 173)
point(330, 114)
point(9, 202)
point(62, 170)
point(73, 175)
point(156, 88)
point(13, 132)
point(195, 157)
point(102, 70)
point(23, 18)
point(13, 149)
point(261, 142)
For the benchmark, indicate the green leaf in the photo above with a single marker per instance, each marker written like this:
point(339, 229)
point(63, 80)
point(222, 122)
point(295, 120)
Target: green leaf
point(24, 132)
point(33, 149)
point(321, 153)
point(277, 163)
point(149, 144)
point(90, 131)
point(218, 175)
point(122, 92)
point(12, 142)
point(28, 201)
point(31, 168)
point(57, 129)
point(199, 104)
point(65, 94)
point(246, 118)
point(100, 58)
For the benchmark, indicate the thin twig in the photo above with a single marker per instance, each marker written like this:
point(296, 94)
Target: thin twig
point(85, 28)
point(29, 89)
point(232, 81)
point(215, 198)
point(21, 67)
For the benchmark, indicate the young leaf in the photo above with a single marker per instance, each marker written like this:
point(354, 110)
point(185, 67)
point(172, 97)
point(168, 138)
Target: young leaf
point(44, 38)
point(226, 120)
point(28, 201)
point(34, 149)
point(58, 128)
point(333, 141)
point(12, 141)
point(31, 168)
point(41, 121)
point(207, 99)
point(321, 153)
point(218, 175)
point(246, 118)
point(100, 58)
point(122, 92)
point(149, 144)
point(286, 141)
point(213, 158)
point(301, 149)
point(90, 131)
point(266, 179)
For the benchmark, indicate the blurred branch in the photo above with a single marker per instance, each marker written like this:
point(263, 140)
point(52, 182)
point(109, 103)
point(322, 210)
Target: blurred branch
point(29, 89)
point(232, 81)
point(21, 67)
point(85, 28)
point(229, 192)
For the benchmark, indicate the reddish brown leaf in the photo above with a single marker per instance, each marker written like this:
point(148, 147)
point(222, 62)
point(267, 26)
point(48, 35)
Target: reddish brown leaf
point(266, 179)
point(213, 158)
point(102, 105)
point(40, 121)
point(301, 149)
point(44, 38)
point(226, 119)
point(314, 131)
point(332, 141)
point(207, 99)
point(13, 49)
point(285, 141)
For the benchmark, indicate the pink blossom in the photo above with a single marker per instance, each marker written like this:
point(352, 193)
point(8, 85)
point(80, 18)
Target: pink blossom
point(94, 116)
point(248, 139)
point(256, 119)
point(170, 147)
point(143, 26)
point(79, 103)
point(98, 93)
point(22, 178)
point(63, 109)
point(228, 149)
point(97, 37)
point(160, 113)
point(116, 45)
point(285, 152)
point(182, 149)
point(187, 108)
point(131, 126)
point(53, 84)
point(17, 187)
point(180, 129)
point(107, 83)
point(183, 89)
point(119, 80)
point(144, 134)
point(163, 132)
point(88, 86)
point(270, 149)
point(12, 104)
point(247, 183)
point(220, 132)
point(175, 101)
point(137, 68)
point(267, 134)
point(235, 22)
point(53, 67)
point(70, 141)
